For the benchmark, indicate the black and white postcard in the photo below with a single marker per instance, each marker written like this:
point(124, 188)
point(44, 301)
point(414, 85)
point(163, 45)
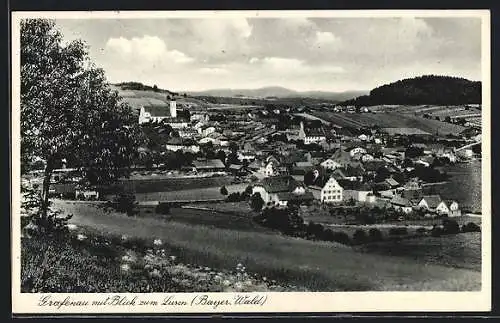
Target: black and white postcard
point(251, 161)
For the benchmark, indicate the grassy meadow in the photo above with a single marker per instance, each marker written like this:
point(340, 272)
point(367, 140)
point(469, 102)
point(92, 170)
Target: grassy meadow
point(316, 266)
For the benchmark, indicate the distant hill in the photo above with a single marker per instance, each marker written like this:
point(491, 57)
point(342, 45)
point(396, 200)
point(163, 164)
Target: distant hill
point(137, 86)
point(427, 89)
point(279, 92)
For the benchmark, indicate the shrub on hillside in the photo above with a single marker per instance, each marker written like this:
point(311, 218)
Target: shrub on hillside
point(375, 234)
point(398, 231)
point(359, 236)
point(126, 203)
point(471, 227)
point(163, 208)
point(421, 230)
point(341, 237)
point(450, 226)
point(437, 231)
point(223, 190)
point(256, 202)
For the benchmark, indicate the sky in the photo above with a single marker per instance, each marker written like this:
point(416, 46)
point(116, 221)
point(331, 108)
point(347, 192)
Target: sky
point(299, 53)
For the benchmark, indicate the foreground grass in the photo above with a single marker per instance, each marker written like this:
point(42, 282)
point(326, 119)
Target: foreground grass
point(95, 264)
point(317, 266)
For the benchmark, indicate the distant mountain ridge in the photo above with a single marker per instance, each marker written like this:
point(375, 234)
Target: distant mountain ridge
point(279, 92)
point(426, 89)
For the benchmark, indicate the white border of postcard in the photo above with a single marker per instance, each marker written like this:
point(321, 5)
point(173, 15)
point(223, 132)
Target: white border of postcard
point(25, 303)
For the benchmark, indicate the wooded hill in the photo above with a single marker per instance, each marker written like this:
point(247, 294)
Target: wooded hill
point(428, 89)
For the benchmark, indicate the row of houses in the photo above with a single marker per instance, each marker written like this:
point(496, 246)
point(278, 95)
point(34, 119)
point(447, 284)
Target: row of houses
point(280, 190)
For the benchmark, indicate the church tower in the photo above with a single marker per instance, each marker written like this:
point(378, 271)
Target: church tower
point(173, 108)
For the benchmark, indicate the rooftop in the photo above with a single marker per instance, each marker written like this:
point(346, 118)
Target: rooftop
point(278, 184)
point(432, 200)
point(208, 163)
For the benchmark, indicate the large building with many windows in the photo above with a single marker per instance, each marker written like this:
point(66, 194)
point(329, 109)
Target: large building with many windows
point(331, 192)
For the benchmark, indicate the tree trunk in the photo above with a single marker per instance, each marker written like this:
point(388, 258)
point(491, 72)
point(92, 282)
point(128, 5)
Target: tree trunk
point(45, 188)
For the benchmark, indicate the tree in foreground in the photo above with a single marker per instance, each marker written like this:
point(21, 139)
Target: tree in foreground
point(69, 111)
point(256, 202)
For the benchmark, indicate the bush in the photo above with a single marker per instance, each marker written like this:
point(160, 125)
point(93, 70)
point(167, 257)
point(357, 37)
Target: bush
point(126, 203)
point(256, 202)
point(471, 227)
point(315, 230)
point(359, 236)
point(375, 234)
point(450, 226)
point(398, 231)
point(341, 237)
point(163, 208)
point(421, 230)
point(437, 231)
point(223, 190)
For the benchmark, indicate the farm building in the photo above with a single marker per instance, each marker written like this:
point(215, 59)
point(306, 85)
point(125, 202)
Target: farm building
point(402, 204)
point(282, 189)
point(357, 191)
point(209, 165)
point(237, 170)
point(184, 144)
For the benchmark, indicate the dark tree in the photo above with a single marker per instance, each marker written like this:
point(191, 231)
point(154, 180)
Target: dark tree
point(223, 190)
point(256, 202)
point(69, 111)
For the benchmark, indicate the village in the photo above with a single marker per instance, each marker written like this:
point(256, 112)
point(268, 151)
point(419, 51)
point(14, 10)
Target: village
point(284, 154)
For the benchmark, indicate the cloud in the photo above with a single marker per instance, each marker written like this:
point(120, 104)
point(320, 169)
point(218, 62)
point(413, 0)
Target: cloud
point(149, 48)
point(291, 66)
point(213, 71)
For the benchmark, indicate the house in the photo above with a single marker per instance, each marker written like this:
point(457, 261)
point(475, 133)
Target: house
point(330, 164)
point(454, 209)
point(350, 173)
point(401, 204)
point(269, 168)
point(311, 135)
point(315, 157)
point(236, 170)
point(434, 203)
point(413, 184)
point(188, 133)
point(206, 140)
point(209, 165)
point(280, 190)
point(206, 130)
point(184, 144)
point(199, 117)
point(367, 157)
point(357, 150)
point(357, 191)
point(301, 167)
point(331, 192)
point(86, 193)
point(363, 137)
point(391, 182)
point(245, 156)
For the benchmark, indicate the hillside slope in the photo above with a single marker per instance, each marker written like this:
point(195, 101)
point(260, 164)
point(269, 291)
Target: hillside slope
point(427, 89)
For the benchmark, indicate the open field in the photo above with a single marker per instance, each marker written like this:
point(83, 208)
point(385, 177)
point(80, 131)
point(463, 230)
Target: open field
point(168, 184)
point(198, 194)
point(211, 219)
point(317, 266)
point(389, 119)
point(458, 250)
